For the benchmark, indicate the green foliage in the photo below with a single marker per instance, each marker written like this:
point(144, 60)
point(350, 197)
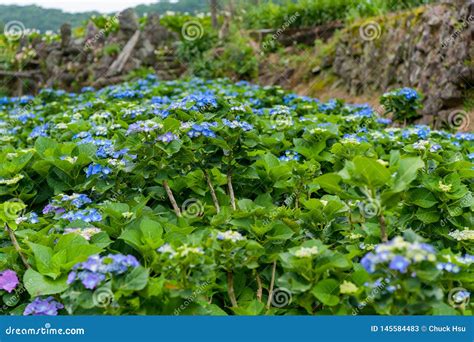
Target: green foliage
point(214, 193)
point(403, 104)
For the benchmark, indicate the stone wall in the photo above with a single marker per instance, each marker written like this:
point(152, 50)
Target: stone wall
point(103, 56)
point(429, 49)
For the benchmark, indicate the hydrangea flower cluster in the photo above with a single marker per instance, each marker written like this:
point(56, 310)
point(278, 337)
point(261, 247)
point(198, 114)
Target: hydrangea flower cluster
point(86, 233)
point(146, 126)
point(398, 254)
point(181, 251)
point(97, 169)
point(408, 93)
point(290, 155)
point(76, 200)
point(92, 272)
point(43, 307)
point(72, 208)
point(8, 280)
point(462, 235)
point(203, 129)
point(167, 137)
point(245, 126)
point(86, 215)
point(230, 235)
point(306, 252)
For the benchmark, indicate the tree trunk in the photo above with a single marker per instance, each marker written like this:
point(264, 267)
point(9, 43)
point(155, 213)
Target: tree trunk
point(213, 5)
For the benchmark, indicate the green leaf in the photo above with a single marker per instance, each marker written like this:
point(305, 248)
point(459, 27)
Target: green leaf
point(329, 182)
point(43, 255)
point(371, 171)
point(151, 230)
point(39, 285)
point(43, 145)
point(135, 280)
point(326, 291)
point(422, 198)
point(428, 215)
point(406, 173)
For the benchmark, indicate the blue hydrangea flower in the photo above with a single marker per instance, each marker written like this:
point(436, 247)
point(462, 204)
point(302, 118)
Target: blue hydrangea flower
point(290, 155)
point(97, 169)
point(86, 215)
point(409, 93)
point(43, 307)
point(399, 263)
point(448, 267)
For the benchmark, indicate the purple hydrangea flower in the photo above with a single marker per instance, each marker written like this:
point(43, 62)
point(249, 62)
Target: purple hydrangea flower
point(50, 208)
point(8, 280)
point(95, 269)
point(43, 307)
point(90, 280)
point(167, 137)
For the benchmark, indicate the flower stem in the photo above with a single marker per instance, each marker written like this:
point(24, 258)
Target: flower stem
point(272, 283)
point(259, 288)
point(17, 246)
point(171, 198)
point(213, 192)
point(230, 289)
point(231, 190)
point(383, 228)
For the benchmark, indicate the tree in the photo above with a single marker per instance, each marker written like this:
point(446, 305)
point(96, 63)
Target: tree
point(213, 5)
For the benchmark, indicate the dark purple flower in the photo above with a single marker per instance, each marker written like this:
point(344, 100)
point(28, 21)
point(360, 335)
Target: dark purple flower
point(43, 307)
point(8, 280)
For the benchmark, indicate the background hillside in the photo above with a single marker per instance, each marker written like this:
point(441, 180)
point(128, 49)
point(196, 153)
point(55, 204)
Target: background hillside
point(45, 19)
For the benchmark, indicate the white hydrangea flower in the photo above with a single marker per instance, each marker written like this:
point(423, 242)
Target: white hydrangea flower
point(421, 145)
point(11, 181)
point(462, 235)
point(348, 288)
point(306, 252)
point(185, 250)
point(445, 187)
point(86, 233)
point(230, 235)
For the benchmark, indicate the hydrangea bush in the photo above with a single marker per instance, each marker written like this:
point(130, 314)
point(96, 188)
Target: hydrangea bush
point(218, 198)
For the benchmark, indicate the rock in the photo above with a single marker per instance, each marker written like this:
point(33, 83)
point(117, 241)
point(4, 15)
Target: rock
point(128, 22)
point(66, 34)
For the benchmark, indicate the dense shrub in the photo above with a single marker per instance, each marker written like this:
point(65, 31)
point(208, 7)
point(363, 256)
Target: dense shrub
point(206, 197)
